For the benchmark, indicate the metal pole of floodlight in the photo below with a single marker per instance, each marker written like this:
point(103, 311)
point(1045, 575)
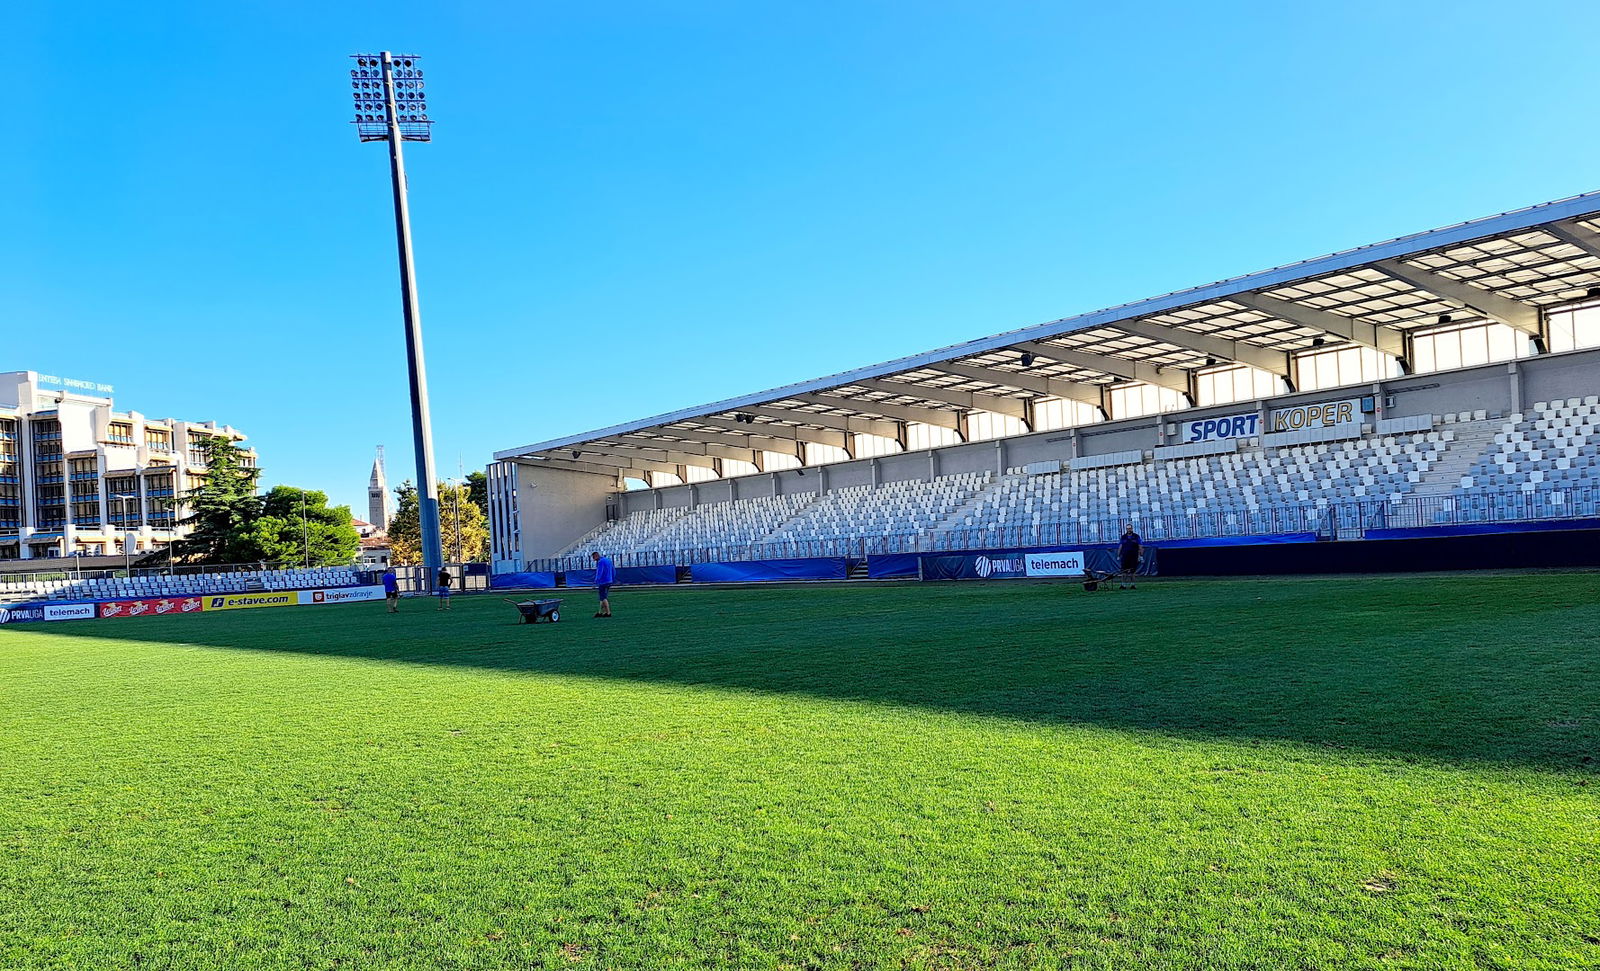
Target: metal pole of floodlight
point(127, 554)
point(391, 106)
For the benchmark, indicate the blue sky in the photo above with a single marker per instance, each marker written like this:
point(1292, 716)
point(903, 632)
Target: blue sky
point(633, 207)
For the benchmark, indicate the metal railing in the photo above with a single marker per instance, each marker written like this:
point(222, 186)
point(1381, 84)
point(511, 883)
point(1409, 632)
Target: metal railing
point(1327, 520)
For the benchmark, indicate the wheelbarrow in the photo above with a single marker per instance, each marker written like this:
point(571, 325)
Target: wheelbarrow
point(534, 611)
point(1095, 579)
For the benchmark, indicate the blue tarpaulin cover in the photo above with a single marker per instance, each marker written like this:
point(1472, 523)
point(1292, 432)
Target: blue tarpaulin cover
point(886, 566)
point(1260, 540)
point(1481, 529)
point(512, 581)
point(626, 576)
point(744, 571)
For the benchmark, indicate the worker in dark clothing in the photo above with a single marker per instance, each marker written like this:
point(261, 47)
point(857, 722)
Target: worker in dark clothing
point(1128, 555)
point(444, 589)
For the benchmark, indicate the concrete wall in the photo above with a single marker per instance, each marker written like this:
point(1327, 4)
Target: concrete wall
point(1041, 447)
point(752, 486)
point(847, 474)
point(1120, 436)
point(1575, 375)
point(674, 496)
point(912, 466)
point(558, 507)
point(1484, 388)
point(793, 482)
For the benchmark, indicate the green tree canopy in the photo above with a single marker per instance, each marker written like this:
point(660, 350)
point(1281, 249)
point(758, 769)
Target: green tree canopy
point(463, 527)
point(222, 507)
point(297, 525)
point(470, 544)
point(478, 489)
point(405, 529)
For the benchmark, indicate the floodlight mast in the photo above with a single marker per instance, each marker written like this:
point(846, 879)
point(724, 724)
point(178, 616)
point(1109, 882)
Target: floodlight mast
point(404, 118)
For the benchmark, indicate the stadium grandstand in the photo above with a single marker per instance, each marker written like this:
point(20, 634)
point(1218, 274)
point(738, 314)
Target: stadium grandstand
point(1442, 383)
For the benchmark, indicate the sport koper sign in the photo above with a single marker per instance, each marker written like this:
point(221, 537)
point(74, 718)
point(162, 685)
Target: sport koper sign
point(1326, 414)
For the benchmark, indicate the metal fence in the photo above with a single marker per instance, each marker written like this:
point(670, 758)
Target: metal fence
point(1348, 519)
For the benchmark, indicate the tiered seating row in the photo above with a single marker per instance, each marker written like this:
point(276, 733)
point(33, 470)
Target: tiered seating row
point(1540, 464)
point(179, 585)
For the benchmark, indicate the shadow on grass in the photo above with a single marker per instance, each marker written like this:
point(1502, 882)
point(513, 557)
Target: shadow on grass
point(1459, 668)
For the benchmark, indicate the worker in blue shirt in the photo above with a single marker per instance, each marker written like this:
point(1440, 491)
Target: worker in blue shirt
point(391, 590)
point(604, 576)
point(1128, 553)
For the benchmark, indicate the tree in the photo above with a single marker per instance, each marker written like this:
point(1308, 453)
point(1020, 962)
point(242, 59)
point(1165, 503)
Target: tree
point(222, 507)
point(478, 487)
point(455, 504)
point(463, 528)
point(297, 525)
point(405, 530)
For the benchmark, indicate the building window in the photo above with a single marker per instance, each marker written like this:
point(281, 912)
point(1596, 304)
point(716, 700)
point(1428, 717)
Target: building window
point(1480, 342)
point(919, 436)
point(1050, 414)
point(86, 513)
point(158, 439)
point(1574, 327)
point(120, 433)
point(986, 425)
point(46, 438)
point(1226, 385)
point(1138, 400)
point(1344, 365)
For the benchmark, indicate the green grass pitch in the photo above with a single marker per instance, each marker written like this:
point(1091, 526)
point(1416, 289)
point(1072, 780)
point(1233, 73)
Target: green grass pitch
point(1305, 773)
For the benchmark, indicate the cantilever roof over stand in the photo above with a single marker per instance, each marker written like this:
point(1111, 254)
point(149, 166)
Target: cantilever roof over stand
point(1511, 269)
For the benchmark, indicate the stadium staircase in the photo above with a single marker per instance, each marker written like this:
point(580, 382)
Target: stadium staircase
point(1472, 439)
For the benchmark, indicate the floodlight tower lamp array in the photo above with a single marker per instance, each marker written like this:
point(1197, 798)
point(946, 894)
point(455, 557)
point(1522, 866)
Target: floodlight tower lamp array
point(387, 87)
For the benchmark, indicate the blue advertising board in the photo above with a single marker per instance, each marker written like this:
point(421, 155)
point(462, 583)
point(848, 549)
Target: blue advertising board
point(32, 612)
point(1219, 429)
point(1019, 564)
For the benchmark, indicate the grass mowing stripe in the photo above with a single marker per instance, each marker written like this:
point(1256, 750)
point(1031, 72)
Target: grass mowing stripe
point(939, 777)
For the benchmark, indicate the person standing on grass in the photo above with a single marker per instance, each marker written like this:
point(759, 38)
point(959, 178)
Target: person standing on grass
point(444, 588)
point(1128, 553)
point(604, 576)
point(391, 590)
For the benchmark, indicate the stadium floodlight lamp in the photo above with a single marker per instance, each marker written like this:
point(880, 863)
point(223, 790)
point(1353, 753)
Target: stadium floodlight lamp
point(390, 98)
point(389, 93)
point(1027, 359)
